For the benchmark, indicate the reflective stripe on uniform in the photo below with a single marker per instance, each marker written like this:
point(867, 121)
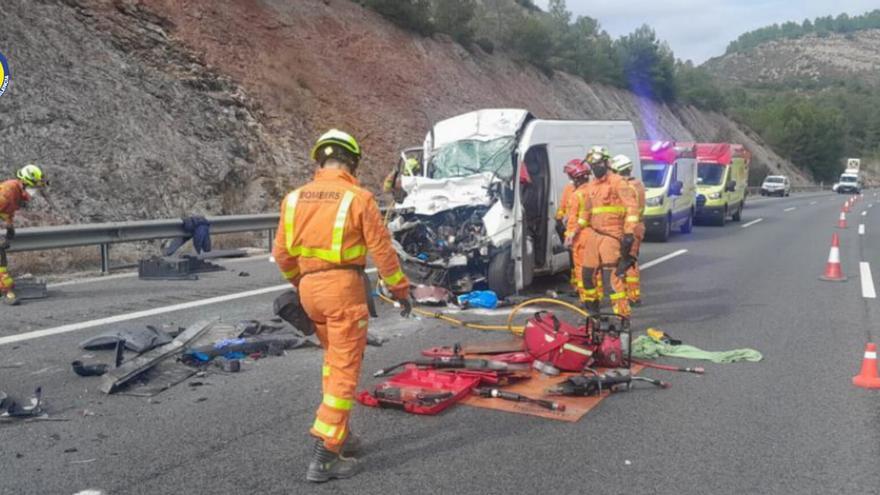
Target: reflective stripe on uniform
point(632, 218)
point(290, 275)
point(632, 279)
point(583, 223)
point(608, 209)
point(617, 295)
point(333, 255)
point(394, 278)
point(325, 370)
point(326, 430)
point(338, 403)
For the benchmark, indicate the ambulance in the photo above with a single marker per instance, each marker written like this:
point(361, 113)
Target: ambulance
point(669, 173)
point(722, 178)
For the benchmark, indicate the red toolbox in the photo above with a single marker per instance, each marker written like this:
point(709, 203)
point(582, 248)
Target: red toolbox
point(420, 391)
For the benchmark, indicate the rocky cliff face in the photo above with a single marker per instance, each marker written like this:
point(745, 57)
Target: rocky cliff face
point(820, 59)
point(157, 108)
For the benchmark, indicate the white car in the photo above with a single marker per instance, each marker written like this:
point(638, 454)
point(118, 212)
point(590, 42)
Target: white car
point(776, 185)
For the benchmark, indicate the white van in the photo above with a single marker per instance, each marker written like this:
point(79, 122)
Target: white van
point(482, 212)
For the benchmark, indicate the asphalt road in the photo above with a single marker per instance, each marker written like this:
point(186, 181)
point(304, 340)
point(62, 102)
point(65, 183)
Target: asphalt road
point(792, 423)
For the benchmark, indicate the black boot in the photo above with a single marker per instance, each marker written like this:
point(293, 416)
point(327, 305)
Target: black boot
point(327, 465)
point(352, 445)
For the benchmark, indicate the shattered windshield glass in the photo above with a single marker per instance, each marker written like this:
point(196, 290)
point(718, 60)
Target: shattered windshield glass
point(468, 157)
point(654, 174)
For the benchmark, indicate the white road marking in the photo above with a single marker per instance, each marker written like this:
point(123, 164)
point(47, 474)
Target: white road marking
point(753, 222)
point(864, 213)
point(868, 291)
point(73, 327)
point(813, 202)
point(791, 208)
point(861, 229)
point(661, 259)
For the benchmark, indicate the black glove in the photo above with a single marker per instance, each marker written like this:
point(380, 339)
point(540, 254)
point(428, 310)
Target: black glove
point(623, 265)
point(626, 245)
point(560, 229)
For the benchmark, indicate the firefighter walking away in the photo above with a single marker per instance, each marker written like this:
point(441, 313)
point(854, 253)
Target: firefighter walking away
point(622, 166)
point(14, 195)
point(326, 229)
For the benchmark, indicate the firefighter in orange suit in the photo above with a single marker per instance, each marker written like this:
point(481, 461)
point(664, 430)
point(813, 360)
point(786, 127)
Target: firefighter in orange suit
point(326, 229)
point(623, 166)
point(579, 173)
point(13, 196)
point(609, 216)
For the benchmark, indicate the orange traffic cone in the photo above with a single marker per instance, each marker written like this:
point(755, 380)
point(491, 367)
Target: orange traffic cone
point(867, 378)
point(841, 223)
point(833, 272)
point(845, 208)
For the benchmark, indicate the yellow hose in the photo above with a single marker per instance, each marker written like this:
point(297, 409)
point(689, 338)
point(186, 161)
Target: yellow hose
point(509, 327)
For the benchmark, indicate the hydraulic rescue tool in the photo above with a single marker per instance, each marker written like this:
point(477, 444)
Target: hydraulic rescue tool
point(603, 341)
point(512, 396)
point(457, 362)
point(591, 385)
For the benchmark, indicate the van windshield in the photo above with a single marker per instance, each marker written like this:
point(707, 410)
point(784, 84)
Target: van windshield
point(654, 173)
point(774, 180)
point(710, 174)
point(469, 157)
point(849, 178)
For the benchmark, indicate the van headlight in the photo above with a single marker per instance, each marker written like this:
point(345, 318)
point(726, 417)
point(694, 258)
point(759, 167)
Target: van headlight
point(655, 201)
point(715, 195)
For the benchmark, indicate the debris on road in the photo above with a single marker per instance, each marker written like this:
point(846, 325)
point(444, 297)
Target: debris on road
point(30, 287)
point(432, 295)
point(238, 348)
point(138, 340)
point(12, 409)
point(131, 369)
point(82, 369)
point(644, 347)
point(485, 299)
point(158, 268)
point(375, 341)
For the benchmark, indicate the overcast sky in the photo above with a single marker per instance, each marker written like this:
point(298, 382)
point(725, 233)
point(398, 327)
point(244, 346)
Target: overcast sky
point(701, 29)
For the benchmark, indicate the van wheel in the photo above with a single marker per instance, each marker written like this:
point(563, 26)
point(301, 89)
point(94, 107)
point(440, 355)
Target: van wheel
point(688, 226)
point(500, 276)
point(667, 230)
point(739, 214)
point(723, 220)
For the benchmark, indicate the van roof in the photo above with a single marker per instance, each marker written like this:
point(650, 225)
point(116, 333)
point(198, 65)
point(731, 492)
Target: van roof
point(666, 151)
point(721, 153)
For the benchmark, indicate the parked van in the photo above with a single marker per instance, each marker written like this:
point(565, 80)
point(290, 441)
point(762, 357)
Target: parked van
point(669, 172)
point(482, 212)
point(722, 177)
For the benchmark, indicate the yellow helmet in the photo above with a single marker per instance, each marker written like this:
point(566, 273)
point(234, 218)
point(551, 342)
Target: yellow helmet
point(334, 141)
point(31, 176)
point(597, 154)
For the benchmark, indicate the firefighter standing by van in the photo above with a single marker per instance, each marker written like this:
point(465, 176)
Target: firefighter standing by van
point(623, 166)
point(14, 196)
point(572, 200)
point(326, 229)
point(609, 218)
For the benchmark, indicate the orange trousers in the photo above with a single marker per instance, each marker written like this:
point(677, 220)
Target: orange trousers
point(577, 267)
point(602, 252)
point(633, 276)
point(335, 301)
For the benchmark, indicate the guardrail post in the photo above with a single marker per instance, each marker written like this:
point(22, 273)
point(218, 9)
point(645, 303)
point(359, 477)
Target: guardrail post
point(105, 258)
point(271, 239)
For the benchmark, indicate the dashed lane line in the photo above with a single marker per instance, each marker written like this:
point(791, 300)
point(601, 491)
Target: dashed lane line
point(790, 208)
point(868, 291)
point(864, 213)
point(861, 229)
point(753, 222)
point(814, 202)
point(662, 259)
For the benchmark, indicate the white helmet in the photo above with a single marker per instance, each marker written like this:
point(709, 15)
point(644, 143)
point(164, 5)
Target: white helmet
point(621, 164)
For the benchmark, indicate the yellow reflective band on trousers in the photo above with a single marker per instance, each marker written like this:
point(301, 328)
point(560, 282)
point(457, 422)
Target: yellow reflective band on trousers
point(291, 274)
point(617, 295)
point(608, 209)
point(583, 223)
point(394, 278)
point(632, 279)
point(633, 219)
point(325, 370)
point(333, 255)
point(337, 403)
point(328, 430)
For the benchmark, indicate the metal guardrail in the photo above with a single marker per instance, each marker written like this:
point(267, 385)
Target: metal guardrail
point(105, 234)
point(756, 190)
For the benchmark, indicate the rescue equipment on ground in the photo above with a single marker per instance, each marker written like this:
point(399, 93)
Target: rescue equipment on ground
point(420, 391)
point(595, 384)
point(597, 343)
point(512, 396)
point(458, 362)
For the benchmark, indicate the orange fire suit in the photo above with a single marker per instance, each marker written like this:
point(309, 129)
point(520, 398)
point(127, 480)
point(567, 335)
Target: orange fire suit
point(576, 229)
point(633, 276)
point(12, 197)
point(561, 216)
point(326, 229)
point(611, 210)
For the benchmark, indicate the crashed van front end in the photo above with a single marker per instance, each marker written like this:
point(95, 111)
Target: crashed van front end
point(448, 231)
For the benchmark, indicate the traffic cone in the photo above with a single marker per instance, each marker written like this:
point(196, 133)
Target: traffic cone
point(833, 272)
point(867, 378)
point(845, 208)
point(841, 223)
